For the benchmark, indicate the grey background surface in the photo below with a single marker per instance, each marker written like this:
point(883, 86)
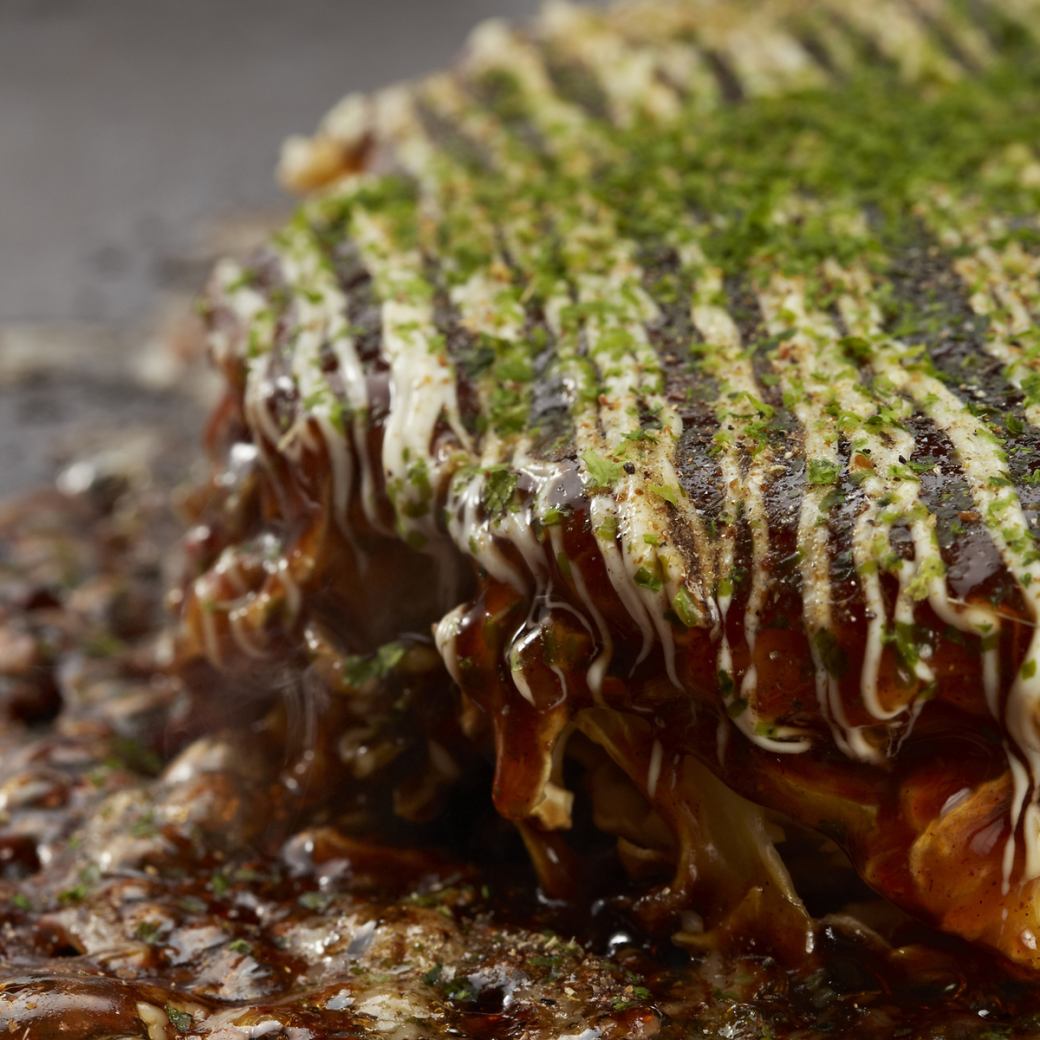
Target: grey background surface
point(125, 125)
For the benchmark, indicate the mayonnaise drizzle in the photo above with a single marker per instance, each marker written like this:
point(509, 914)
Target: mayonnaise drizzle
point(635, 566)
point(902, 39)
point(984, 464)
point(890, 489)
point(321, 319)
point(1003, 283)
point(628, 73)
point(794, 362)
point(256, 320)
point(422, 382)
point(728, 362)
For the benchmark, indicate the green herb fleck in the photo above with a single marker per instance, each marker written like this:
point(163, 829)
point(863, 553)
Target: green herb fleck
point(359, 669)
point(603, 473)
point(647, 579)
point(822, 472)
point(685, 608)
point(829, 650)
point(182, 1021)
point(499, 487)
point(669, 492)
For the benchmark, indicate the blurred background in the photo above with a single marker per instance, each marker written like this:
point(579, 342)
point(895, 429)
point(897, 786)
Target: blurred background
point(138, 139)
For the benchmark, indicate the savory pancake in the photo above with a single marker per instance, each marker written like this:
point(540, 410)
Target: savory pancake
point(677, 367)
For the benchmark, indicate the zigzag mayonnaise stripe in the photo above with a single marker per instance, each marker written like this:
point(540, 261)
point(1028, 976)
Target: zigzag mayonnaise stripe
point(472, 531)
point(493, 308)
point(771, 62)
point(739, 399)
point(794, 362)
point(953, 21)
point(901, 38)
point(646, 577)
point(574, 142)
point(254, 316)
point(884, 479)
point(628, 74)
point(1025, 12)
point(520, 233)
point(423, 385)
point(862, 317)
point(984, 465)
point(487, 306)
point(321, 320)
point(1003, 282)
